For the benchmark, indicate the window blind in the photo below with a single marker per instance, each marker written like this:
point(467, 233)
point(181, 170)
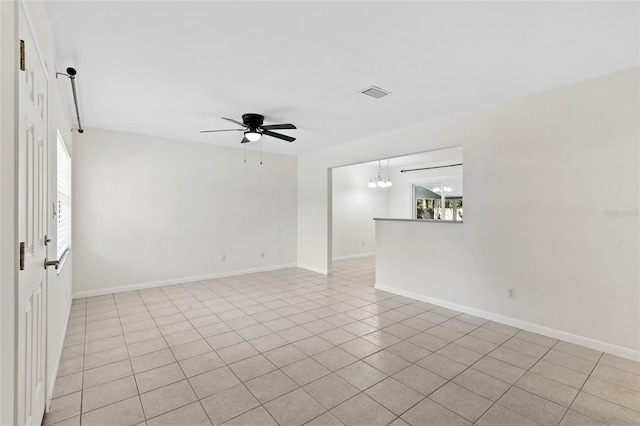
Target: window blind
point(64, 199)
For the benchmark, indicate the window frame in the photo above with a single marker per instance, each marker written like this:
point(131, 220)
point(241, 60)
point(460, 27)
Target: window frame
point(63, 159)
point(432, 181)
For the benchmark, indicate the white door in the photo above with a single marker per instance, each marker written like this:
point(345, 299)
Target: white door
point(32, 204)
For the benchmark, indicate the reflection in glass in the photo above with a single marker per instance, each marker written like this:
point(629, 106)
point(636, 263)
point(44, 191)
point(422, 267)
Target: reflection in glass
point(424, 208)
point(459, 209)
point(439, 200)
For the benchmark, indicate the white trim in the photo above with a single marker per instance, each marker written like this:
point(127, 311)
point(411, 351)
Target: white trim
point(313, 269)
point(140, 286)
point(24, 8)
point(63, 157)
point(52, 385)
point(9, 84)
point(525, 325)
point(355, 256)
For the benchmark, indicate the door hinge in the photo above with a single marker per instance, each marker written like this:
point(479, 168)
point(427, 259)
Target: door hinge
point(22, 60)
point(46, 240)
point(22, 256)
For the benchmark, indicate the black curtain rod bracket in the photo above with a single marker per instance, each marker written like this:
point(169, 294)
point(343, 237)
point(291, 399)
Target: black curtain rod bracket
point(71, 73)
point(429, 168)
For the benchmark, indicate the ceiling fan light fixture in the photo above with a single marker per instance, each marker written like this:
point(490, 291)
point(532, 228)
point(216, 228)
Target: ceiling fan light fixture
point(252, 135)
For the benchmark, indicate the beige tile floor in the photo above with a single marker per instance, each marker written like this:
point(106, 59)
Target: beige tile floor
point(293, 347)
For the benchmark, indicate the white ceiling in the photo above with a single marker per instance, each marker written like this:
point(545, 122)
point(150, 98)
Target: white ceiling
point(173, 68)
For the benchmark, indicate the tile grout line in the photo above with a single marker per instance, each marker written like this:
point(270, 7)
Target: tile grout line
point(511, 386)
point(260, 353)
point(276, 369)
point(356, 337)
point(129, 359)
point(227, 366)
point(84, 347)
point(143, 354)
point(580, 390)
point(176, 361)
point(327, 297)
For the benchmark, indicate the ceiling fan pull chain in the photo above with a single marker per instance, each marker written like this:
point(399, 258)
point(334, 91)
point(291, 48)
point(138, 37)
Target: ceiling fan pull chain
point(245, 153)
point(261, 152)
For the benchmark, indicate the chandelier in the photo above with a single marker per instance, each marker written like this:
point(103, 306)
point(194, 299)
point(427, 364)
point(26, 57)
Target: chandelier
point(379, 181)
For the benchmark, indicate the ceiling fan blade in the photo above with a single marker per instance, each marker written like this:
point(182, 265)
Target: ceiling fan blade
point(278, 126)
point(234, 121)
point(225, 130)
point(245, 140)
point(278, 135)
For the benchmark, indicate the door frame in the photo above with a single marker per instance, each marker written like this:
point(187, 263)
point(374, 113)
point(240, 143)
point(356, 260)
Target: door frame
point(9, 62)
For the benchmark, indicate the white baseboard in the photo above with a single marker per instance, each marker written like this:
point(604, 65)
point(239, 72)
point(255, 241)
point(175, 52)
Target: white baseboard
point(52, 385)
point(153, 284)
point(354, 256)
point(313, 269)
point(525, 325)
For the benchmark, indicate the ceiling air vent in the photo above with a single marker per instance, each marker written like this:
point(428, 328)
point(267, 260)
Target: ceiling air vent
point(375, 92)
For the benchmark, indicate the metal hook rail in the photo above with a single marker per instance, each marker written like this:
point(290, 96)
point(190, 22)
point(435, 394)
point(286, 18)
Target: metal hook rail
point(71, 73)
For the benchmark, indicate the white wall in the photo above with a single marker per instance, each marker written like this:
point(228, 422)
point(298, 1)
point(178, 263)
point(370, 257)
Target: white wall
point(354, 207)
point(574, 269)
point(149, 210)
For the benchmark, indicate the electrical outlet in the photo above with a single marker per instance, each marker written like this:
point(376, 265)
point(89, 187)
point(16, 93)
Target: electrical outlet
point(223, 258)
point(512, 293)
point(262, 255)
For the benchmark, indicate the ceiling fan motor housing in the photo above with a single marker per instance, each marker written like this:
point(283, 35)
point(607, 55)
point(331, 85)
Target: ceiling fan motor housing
point(253, 121)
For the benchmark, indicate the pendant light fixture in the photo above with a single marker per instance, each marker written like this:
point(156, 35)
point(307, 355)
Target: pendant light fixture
point(379, 181)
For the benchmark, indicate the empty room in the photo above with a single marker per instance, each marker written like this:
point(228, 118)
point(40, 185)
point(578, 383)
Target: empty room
point(319, 213)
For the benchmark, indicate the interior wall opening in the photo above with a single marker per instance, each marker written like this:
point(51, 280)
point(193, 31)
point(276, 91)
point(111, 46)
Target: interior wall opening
point(422, 186)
